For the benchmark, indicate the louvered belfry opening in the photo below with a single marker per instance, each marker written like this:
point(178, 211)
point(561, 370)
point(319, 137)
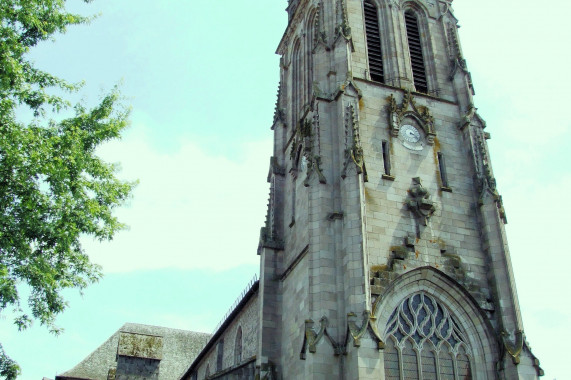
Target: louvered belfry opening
point(415, 48)
point(374, 42)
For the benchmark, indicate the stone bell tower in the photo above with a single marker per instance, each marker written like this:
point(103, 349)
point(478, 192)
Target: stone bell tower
point(384, 254)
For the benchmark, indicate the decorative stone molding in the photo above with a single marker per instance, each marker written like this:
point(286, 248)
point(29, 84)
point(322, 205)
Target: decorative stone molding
point(536, 363)
point(353, 149)
point(453, 43)
point(447, 10)
point(513, 349)
point(513, 345)
point(419, 203)
point(320, 36)
point(279, 112)
point(342, 29)
point(307, 136)
point(394, 3)
point(459, 64)
point(269, 237)
point(356, 333)
point(312, 338)
point(409, 108)
point(485, 179)
point(345, 87)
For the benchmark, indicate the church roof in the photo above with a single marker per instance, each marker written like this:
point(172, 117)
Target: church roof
point(174, 348)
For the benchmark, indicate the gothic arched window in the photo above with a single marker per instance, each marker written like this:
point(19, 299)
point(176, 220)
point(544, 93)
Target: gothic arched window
point(219, 355)
point(415, 50)
point(297, 85)
point(423, 340)
point(373, 34)
point(238, 347)
point(310, 38)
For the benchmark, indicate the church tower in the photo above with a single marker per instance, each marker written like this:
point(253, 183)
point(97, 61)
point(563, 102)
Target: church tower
point(384, 254)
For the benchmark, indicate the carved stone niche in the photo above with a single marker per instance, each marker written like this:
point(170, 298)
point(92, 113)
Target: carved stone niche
point(410, 110)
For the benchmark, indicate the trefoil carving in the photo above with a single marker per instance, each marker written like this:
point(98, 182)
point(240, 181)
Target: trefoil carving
point(353, 148)
point(419, 203)
point(409, 108)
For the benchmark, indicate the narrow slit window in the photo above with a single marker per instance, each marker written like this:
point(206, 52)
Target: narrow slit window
point(238, 347)
point(443, 174)
point(386, 158)
point(415, 49)
point(297, 75)
point(220, 355)
point(374, 42)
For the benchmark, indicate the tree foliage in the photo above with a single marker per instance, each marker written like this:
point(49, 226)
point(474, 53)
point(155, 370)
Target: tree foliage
point(54, 189)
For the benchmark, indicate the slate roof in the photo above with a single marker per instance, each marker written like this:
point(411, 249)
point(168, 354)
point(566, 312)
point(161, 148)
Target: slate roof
point(179, 349)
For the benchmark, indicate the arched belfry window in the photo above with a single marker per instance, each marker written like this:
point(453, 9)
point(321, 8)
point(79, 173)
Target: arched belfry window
point(374, 51)
point(415, 49)
point(424, 341)
point(238, 347)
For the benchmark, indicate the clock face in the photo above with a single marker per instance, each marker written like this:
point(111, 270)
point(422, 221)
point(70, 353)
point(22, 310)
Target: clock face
point(410, 137)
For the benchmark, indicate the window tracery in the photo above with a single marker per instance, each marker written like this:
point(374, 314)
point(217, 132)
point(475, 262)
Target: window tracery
point(424, 339)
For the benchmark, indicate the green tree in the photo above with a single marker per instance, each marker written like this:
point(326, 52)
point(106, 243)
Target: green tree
point(54, 189)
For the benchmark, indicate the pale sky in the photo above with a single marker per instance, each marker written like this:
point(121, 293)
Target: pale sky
point(201, 77)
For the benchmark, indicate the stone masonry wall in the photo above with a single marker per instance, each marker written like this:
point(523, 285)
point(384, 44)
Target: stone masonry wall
point(248, 320)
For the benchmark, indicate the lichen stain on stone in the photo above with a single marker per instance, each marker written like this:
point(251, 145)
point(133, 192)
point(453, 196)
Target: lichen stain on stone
point(142, 346)
point(441, 243)
point(361, 104)
point(368, 197)
point(379, 268)
point(398, 249)
point(416, 253)
point(436, 145)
